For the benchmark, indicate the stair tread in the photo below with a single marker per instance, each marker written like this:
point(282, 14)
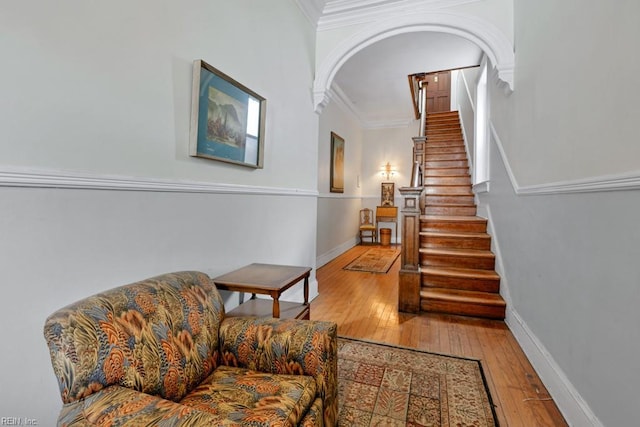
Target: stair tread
point(460, 272)
point(448, 185)
point(447, 179)
point(434, 200)
point(461, 296)
point(449, 193)
point(450, 166)
point(461, 218)
point(460, 234)
point(441, 173)
point(453, 278)
point(480, 253)
point(449, 205)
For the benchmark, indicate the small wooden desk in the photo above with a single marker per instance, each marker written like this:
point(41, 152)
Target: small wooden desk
point(387, 214)
point(267, 279)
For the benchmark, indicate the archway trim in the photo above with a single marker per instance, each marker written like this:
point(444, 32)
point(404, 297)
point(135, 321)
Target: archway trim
point(484, 34)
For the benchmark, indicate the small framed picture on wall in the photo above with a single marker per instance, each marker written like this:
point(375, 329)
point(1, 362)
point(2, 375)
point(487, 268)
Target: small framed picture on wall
point(337, 163)
point(386, 194)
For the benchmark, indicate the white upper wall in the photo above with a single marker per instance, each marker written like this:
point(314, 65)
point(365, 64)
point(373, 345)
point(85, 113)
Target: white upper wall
point(574, 113)
point(393, 145)
point(105, 87)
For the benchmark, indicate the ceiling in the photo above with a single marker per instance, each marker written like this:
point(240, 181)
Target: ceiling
point(373, 83)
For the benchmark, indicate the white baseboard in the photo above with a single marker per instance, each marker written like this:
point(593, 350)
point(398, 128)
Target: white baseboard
point(333, 253)
point(573, 407)
point(485, 211)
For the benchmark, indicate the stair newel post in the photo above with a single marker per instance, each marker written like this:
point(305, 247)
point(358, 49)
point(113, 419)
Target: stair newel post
point(409, 277)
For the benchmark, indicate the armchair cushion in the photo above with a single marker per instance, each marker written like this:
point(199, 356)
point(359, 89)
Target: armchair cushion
point(252, 398)
point(286, 346)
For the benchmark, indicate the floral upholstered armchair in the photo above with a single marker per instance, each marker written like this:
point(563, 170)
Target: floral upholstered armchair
point(161, 352)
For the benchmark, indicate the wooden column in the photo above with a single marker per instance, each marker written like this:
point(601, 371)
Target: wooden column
point(409, 277)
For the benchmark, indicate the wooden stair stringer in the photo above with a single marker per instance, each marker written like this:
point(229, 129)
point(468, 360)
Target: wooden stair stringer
point(457, 265)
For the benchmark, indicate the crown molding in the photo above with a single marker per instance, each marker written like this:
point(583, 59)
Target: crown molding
point(342, 13)
point(32, 178)
point(337, 95)
point(311, 9)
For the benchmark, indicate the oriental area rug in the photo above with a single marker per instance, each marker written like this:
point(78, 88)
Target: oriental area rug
point(375, 260)
point(383, 385)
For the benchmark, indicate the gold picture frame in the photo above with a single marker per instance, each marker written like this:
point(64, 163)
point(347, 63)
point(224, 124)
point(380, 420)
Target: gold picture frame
point(227, 119)
point(387, 190)
point(337, 163)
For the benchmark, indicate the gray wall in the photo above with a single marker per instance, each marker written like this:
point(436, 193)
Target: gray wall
point(562, 153)
point(570, 267)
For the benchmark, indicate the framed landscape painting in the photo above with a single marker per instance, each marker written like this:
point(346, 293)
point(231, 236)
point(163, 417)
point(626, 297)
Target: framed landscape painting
point(227, 118)
point(337, 163)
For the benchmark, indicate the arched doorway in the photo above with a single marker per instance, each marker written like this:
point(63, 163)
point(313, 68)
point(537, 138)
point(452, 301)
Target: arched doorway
point(490, 39)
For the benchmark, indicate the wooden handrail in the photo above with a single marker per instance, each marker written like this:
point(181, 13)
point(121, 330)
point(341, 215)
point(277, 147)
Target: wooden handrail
point(414, 89)
point(414, 85)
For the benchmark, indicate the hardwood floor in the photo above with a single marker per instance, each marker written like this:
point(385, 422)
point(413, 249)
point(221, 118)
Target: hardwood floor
point(364, 305)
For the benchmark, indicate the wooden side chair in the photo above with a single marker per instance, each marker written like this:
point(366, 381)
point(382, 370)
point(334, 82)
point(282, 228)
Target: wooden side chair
point(367, 226)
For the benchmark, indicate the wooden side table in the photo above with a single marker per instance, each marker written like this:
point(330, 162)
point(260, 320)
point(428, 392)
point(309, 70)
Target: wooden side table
point(387, 214)
point(267, 279)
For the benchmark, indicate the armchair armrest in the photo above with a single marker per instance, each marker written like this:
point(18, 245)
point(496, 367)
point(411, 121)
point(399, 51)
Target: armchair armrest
point(286, 346)
point(117, 405)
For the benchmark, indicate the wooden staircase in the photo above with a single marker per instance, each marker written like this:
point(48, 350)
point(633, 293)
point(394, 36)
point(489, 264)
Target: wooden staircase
point(457, 267)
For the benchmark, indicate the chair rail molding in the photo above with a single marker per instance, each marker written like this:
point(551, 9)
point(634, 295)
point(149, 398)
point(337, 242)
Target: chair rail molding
point(486, 35)
point(615, 182)
point(40, 178)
